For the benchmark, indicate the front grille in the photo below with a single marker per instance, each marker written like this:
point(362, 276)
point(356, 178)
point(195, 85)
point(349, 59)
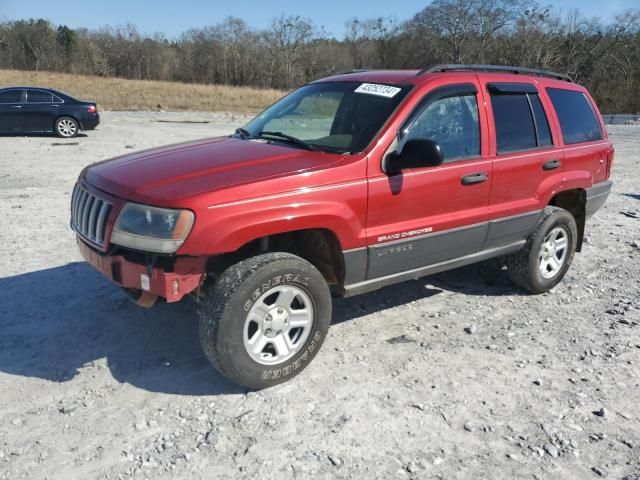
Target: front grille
point(89, 215)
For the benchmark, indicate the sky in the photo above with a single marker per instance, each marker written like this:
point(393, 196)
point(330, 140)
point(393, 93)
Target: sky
point(174, 17)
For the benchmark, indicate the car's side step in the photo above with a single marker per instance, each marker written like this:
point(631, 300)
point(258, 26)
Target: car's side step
point(377, 283)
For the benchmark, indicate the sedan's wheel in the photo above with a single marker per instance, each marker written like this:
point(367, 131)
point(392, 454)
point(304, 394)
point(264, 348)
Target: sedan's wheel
point(265, 319)
point(547, 255)
point(66, 127)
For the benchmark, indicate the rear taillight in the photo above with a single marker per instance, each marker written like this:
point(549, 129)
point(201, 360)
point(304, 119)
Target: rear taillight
point(92, 109)
point(609, 161)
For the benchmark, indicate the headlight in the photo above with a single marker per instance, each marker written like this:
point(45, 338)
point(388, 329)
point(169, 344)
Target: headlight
point(152, 229)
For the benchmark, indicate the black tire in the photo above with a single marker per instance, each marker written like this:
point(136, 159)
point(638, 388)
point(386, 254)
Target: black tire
point(66, 127)
point(524, 266)
point(227, 305)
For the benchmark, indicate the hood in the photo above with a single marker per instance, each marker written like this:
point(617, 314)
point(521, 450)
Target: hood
point(162, 176)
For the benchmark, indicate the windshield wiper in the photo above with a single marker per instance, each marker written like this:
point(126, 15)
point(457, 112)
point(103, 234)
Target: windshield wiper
point(290, 139)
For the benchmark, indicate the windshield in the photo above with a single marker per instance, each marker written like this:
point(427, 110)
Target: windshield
point(330, 116)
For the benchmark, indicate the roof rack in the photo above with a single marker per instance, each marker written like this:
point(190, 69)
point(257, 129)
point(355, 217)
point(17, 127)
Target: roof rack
point(355, 70)
point(496, 68)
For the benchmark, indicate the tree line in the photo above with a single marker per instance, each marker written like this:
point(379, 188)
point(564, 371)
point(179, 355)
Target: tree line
point(602, 55)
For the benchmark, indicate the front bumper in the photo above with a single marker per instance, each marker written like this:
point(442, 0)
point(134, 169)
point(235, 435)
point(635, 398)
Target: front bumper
point(596, 196)
point(187, 275)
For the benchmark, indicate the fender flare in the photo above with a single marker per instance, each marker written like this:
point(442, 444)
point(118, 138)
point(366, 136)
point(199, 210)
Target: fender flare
point(228, 230)
point(563, 181)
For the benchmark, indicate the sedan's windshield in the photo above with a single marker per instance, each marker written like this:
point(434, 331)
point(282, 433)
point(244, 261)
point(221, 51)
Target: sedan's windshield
point(330, 116)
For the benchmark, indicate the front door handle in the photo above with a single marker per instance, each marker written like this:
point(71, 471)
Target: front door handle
point(16, 106)
point(474, 178)
point(551, 164)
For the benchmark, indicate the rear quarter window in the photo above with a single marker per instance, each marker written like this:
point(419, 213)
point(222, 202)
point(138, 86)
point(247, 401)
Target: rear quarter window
point(577, 118)
point(39, 96)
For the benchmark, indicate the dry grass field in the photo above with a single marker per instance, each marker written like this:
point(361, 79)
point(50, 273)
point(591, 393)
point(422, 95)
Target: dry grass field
point(121, 94)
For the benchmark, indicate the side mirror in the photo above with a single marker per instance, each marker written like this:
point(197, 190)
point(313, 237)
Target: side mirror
point(416, 153)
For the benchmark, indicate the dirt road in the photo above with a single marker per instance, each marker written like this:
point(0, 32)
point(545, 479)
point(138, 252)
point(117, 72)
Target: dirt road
point(92, 387)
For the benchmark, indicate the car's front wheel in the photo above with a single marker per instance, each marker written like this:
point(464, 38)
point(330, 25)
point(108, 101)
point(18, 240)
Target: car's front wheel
point(265, 319)
point(66, 127)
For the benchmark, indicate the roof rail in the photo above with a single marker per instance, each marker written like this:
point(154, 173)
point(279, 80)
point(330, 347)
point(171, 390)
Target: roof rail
point(355, 70)
point(496, 68)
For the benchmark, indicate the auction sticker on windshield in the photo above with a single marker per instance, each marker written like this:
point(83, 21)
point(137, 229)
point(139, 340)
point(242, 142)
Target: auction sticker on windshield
point(377, 89)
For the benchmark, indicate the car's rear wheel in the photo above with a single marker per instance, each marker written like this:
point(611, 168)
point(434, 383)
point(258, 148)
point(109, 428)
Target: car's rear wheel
point(265, 319)
point(548, 253)
point(66, 127)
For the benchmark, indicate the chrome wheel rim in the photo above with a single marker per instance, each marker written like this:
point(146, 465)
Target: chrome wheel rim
point(553, 252)
point(278, 324)
point(67, 128)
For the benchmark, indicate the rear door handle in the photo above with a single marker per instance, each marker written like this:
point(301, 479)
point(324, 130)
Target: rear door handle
point(474, 178)
point(551, 164)
point(16, 106)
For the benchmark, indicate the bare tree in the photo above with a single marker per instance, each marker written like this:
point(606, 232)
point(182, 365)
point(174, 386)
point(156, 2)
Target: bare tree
point(36, 39)
point(605, 56)
point(286, 40)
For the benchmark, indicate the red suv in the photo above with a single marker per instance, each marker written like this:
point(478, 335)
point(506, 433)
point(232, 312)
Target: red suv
point(348, 184)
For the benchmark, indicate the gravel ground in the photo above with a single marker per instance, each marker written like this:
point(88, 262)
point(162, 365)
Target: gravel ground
point(455, 376)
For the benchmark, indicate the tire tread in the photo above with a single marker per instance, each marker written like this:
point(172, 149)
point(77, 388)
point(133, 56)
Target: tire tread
point(519, 263)
point(219, 296)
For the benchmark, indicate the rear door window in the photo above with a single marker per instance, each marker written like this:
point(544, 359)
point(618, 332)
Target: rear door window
point(542, 123)
point(38, 96)
point(577, 118)
point(520, 120)
point(11, 96)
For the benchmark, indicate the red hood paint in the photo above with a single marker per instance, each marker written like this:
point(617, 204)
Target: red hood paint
point(162, 176)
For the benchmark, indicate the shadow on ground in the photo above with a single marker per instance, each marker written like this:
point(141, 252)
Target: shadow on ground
point(632, 195)
point(57, 321)
point(54, 322)
point(40, 134)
